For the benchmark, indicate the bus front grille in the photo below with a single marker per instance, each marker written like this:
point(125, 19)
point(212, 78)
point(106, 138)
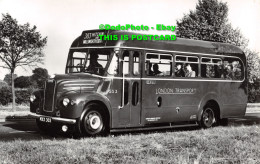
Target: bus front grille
point(49, 95)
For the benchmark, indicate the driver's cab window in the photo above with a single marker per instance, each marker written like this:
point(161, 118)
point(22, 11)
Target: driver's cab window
point(93, 61)
point(96, 62)
point(78, 61)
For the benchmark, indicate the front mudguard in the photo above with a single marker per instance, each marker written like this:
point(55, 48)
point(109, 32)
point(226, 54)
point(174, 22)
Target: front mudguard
point(74, 110)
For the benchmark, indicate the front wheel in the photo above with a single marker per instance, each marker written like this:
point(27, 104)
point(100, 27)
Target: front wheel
point(93, 122)
point(208, 118)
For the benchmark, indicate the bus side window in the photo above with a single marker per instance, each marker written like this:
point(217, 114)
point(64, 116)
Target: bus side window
point(191, 67)
point(158, 65)
point(165, 65)
point(219, 69)
point(126, 62)
point(210, 72)
point(179, 70)
point(211, 67)
point(186, 66)
point(136, 61)
point(233, 69)
point(191, 70)
point(148, 68)
point(150, 60)
point(126, 92)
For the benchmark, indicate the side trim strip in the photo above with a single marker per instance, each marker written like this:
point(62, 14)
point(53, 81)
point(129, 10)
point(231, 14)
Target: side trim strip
point(169, 79)
point(152, 128)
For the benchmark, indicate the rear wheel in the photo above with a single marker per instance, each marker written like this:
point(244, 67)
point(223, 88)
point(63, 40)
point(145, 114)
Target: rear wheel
point(208, 117)
point(93, 122)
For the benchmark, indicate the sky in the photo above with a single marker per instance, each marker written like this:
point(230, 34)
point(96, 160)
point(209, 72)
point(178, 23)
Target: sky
point(63, 20)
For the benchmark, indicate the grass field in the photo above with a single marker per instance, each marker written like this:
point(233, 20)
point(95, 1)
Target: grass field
point(215, 145)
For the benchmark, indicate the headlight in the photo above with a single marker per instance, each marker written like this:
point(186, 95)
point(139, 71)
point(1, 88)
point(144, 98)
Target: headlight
point(32, 98)
point(52, 76)
point(66, 102)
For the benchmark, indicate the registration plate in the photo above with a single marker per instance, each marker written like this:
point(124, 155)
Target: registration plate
point(45, 119)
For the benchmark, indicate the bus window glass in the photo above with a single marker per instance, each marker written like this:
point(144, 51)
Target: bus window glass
point(179, 69)
point(191, 70)
point(186, 66)
point(113, 67)
point(92, 61)
point(233, 69)
point(126, 62)
point(211, 67)
point(78, 61)
point(158, 64)
point(136, 62)
point(180, 58)
point(135, 94)
point(126, 92)
point(193, 59)
point(205, 60)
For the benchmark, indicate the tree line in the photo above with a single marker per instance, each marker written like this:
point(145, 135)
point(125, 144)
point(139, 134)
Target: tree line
point(24, 86)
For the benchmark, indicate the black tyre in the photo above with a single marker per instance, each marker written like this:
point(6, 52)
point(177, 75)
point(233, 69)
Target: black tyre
point(93, 123)
point(208, 117)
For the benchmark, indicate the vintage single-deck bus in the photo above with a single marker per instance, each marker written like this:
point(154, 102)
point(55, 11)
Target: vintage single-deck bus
point(124, 85)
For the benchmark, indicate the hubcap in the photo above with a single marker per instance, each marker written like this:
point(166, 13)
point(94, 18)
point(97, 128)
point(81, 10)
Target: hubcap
point(208, 117)
point(95, 122)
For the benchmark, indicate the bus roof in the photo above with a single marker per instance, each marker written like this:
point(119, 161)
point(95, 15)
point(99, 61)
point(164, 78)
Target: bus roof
point(178, 45)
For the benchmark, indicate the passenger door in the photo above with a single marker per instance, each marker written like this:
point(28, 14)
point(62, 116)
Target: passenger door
point(130, 110)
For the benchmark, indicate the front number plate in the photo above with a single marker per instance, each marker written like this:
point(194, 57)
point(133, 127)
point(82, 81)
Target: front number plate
point(45, 119)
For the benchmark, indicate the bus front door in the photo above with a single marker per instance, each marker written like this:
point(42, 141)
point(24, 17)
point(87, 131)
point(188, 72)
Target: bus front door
point(130, 110)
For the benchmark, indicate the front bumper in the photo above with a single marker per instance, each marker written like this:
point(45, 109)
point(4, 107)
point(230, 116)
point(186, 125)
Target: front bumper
point(55, 119)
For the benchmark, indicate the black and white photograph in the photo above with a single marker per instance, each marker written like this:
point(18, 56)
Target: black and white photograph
point(140, 82)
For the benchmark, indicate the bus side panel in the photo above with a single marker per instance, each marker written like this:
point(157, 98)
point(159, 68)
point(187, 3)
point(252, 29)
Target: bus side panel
point(170, 101)
point(234, 98)
point(120, 117)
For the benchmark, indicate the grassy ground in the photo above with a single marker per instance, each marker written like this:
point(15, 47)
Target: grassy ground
point(215, 145)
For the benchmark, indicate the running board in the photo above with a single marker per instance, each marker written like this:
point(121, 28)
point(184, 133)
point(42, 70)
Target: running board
point(152, 128)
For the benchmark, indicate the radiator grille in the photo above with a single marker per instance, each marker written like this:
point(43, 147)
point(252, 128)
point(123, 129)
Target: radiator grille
point(49, 95)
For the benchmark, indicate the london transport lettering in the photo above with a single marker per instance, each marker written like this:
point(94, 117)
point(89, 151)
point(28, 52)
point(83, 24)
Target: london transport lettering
point(175, 90)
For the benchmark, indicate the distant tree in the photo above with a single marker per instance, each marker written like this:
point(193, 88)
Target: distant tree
point(39, 76)
point(253, 63)
point(210, 22)
point(3, 84)
point(22, 82)
point(8, 78)
point(20, 45)
point(253, 72)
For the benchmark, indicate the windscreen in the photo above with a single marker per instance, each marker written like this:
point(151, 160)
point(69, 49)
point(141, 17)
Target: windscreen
point(92, 61)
